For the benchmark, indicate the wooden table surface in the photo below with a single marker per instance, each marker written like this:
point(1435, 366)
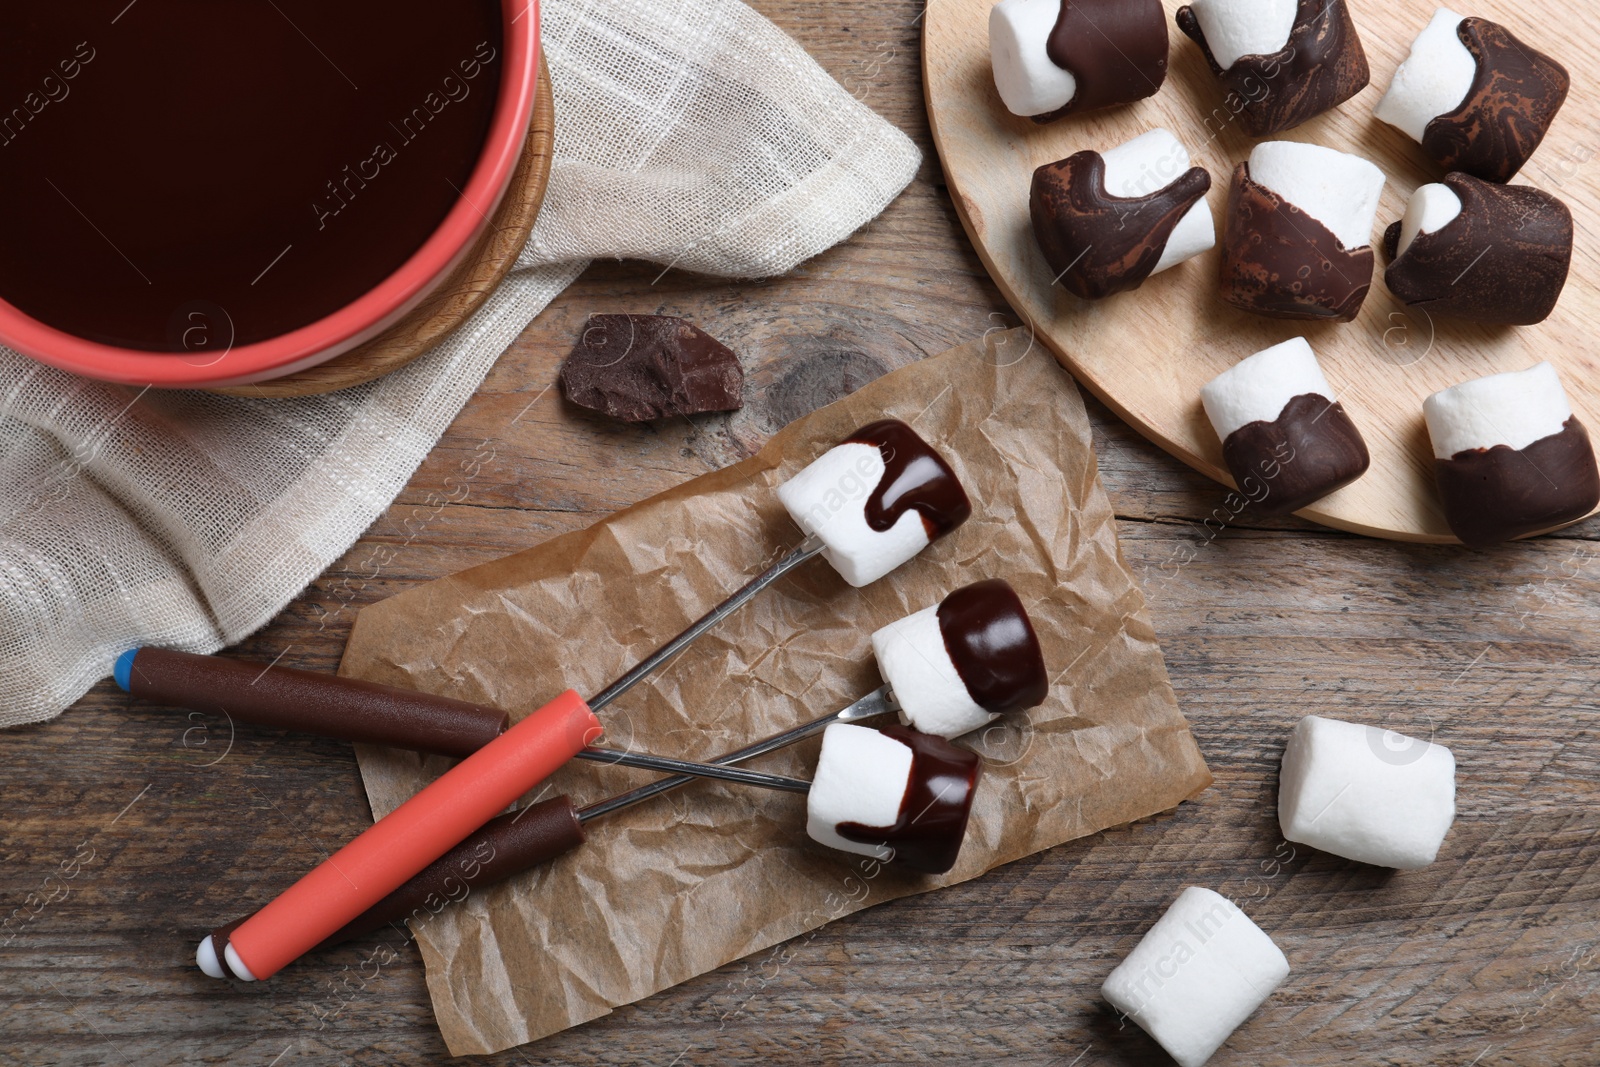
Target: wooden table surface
point(126, 831)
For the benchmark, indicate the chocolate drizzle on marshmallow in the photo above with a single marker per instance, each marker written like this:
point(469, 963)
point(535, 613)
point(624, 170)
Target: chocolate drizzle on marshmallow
point(994, 648)
point(1320, 67)
point(1503, 259)
point(1280, 262)
point(927, 834)
point(1115, 50)
point(1515, 95)
point(915, 477)
point(1098, 244)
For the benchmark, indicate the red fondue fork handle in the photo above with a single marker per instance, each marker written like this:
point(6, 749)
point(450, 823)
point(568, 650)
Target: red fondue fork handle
point(411, 837)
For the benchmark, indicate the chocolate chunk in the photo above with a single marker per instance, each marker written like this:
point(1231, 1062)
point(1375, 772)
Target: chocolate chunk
point(1504, 259)
point(1280, 262)
point(642, 367)
point(1320, 67)
point(1308, 451)
point(1514, 98)
point(1115, 50)
point(1495, 494)
point(1098, 244)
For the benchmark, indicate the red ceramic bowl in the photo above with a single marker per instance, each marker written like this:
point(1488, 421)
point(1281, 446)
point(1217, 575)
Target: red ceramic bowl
point(364, 318)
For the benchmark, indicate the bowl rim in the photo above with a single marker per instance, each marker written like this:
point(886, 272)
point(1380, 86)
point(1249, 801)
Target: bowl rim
point(363, 318)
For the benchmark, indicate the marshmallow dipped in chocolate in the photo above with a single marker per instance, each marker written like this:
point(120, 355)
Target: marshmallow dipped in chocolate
point(1286, 439)
point(1284, 264)
point(1115, 50)
point(961, 664)
point(1295, 241)
point(927, 833)
point(993, 646)
point(1511, 458)
point(875, 500)
point(984, 645)
point(1098, 244)
point(1515, 94)
point(1502, 258)
point(1320, 65)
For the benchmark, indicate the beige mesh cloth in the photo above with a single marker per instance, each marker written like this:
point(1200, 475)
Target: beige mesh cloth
point(689, 132)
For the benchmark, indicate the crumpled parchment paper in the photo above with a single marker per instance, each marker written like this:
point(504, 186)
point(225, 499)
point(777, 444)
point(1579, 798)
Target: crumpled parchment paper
point(697, 878)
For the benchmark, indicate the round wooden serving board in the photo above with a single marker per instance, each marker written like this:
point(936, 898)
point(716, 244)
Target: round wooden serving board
point(1147, 353)
point(460, 295)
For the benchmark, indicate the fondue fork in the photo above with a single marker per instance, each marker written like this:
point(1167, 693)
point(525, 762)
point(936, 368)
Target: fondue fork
point(521, 840)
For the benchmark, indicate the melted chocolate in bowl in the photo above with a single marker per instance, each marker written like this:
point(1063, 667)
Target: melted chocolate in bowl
point(933, 814)
point(188, 176)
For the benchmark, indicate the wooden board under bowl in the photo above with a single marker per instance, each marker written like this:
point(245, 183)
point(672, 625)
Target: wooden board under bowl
point(1146, 353)
point(461, 294)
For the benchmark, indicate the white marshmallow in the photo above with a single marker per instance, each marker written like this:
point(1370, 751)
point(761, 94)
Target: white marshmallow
point(1236, 28)
point(1513, 409)
point(1199, 973)
point(829, 499)
point(1366, 794)
point(862, 777)
point(914, 660)
point(1336, 188)
point(1149, 163)
point(1431, 208)
point(1257, 388)
point(206, 957)
point(1029, 81)
point(1434, 79)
